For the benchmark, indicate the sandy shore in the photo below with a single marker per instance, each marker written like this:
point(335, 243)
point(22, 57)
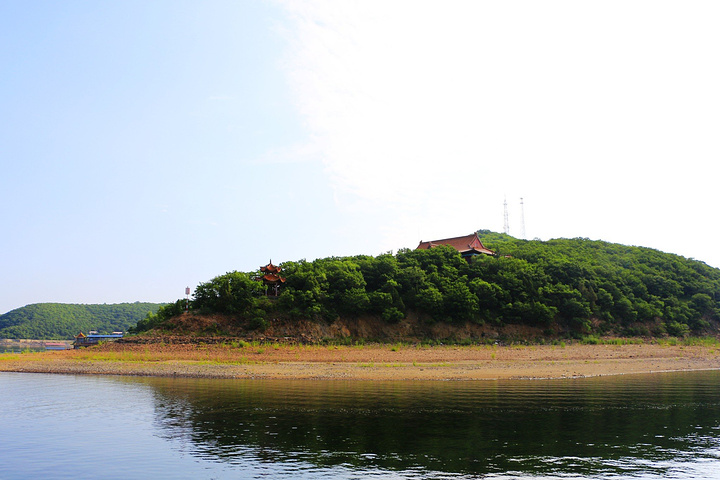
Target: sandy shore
point(378, 362)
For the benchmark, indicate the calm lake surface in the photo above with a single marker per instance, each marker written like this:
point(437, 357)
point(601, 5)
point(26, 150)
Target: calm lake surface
point(640, 426)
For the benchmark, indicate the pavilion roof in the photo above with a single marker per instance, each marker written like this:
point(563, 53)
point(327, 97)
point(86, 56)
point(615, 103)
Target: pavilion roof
point(270, 268)
point(273, 278)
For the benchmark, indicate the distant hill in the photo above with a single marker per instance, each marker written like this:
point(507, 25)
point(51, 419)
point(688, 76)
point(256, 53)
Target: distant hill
point(63, 321)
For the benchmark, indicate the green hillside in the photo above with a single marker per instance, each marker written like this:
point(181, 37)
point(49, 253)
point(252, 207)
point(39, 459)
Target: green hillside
point(63, 321)
point(564, 286)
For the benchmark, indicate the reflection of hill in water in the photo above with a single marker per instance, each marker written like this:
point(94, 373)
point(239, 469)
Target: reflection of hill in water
point(609, 425)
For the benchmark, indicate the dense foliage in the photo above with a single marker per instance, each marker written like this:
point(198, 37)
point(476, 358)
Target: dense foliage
point(569, 285)
point(63, 321)
point(632, 290)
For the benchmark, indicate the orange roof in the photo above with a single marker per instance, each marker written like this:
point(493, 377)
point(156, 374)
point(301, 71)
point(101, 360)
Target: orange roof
point(272, 278)
point(467, 244)
point(270, 268)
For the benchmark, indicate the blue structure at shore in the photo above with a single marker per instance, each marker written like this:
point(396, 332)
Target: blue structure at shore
point(93, 338)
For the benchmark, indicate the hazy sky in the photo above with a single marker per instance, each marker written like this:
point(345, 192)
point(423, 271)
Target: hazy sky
point(151, 145)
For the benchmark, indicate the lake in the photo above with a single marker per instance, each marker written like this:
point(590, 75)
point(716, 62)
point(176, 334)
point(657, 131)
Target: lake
point(641, 426)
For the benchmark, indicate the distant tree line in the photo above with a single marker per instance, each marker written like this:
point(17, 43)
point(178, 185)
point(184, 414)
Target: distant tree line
point(63, 321)
point(572, 285)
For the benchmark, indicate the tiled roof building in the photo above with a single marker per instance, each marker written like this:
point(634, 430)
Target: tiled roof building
point(468, 245)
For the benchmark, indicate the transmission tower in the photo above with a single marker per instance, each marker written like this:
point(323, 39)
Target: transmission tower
point(506, 225)
point(522, 219)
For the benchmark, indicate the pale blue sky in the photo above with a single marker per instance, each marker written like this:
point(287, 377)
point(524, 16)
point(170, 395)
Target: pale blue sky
point(150, 145)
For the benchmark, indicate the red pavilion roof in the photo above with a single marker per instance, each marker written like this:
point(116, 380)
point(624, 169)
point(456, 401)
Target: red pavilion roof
point(271, 274)
point(273, 278)
point(270, 268)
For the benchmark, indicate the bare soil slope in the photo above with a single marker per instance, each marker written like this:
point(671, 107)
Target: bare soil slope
point(411, 330)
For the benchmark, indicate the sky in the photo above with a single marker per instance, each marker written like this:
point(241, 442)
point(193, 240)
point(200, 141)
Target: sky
point(150, 146)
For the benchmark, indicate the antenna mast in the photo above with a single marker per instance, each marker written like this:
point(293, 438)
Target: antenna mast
point(522, 219)
point(506, 225)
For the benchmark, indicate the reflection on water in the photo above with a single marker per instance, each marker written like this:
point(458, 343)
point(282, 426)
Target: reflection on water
point(618, 425)
point(648, 426)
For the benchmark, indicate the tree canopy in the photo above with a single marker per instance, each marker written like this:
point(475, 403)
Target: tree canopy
point(569, 285)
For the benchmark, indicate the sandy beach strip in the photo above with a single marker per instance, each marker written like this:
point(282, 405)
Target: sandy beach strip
point(375, 362)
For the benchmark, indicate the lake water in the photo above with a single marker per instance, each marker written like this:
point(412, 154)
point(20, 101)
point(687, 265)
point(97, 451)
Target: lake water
point(640, 426)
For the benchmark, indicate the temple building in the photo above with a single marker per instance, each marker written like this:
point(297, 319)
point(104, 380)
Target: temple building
point(468, 246)
point(271, 279)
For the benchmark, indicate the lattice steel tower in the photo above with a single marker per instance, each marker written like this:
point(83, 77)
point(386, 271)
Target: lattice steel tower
point(506, 225)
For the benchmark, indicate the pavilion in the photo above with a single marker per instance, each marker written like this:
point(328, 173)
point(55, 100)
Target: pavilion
point(271, 279)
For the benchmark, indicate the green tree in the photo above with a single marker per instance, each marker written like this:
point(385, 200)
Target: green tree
point(233, 292)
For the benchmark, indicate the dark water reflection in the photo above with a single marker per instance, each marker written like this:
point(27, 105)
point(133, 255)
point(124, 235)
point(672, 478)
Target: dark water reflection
point(644, 426)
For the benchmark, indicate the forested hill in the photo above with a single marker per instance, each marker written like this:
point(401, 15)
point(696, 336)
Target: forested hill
point(623, 288)
point(63, 321)
point(562, 286)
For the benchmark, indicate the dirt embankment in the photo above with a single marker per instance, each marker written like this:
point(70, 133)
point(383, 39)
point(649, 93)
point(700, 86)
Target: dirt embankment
point(409, 330)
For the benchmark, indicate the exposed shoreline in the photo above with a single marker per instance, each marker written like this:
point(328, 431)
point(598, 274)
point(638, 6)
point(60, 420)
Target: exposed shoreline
point(376, 362)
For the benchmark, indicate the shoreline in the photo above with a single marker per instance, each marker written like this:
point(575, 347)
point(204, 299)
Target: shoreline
point(375, 362)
